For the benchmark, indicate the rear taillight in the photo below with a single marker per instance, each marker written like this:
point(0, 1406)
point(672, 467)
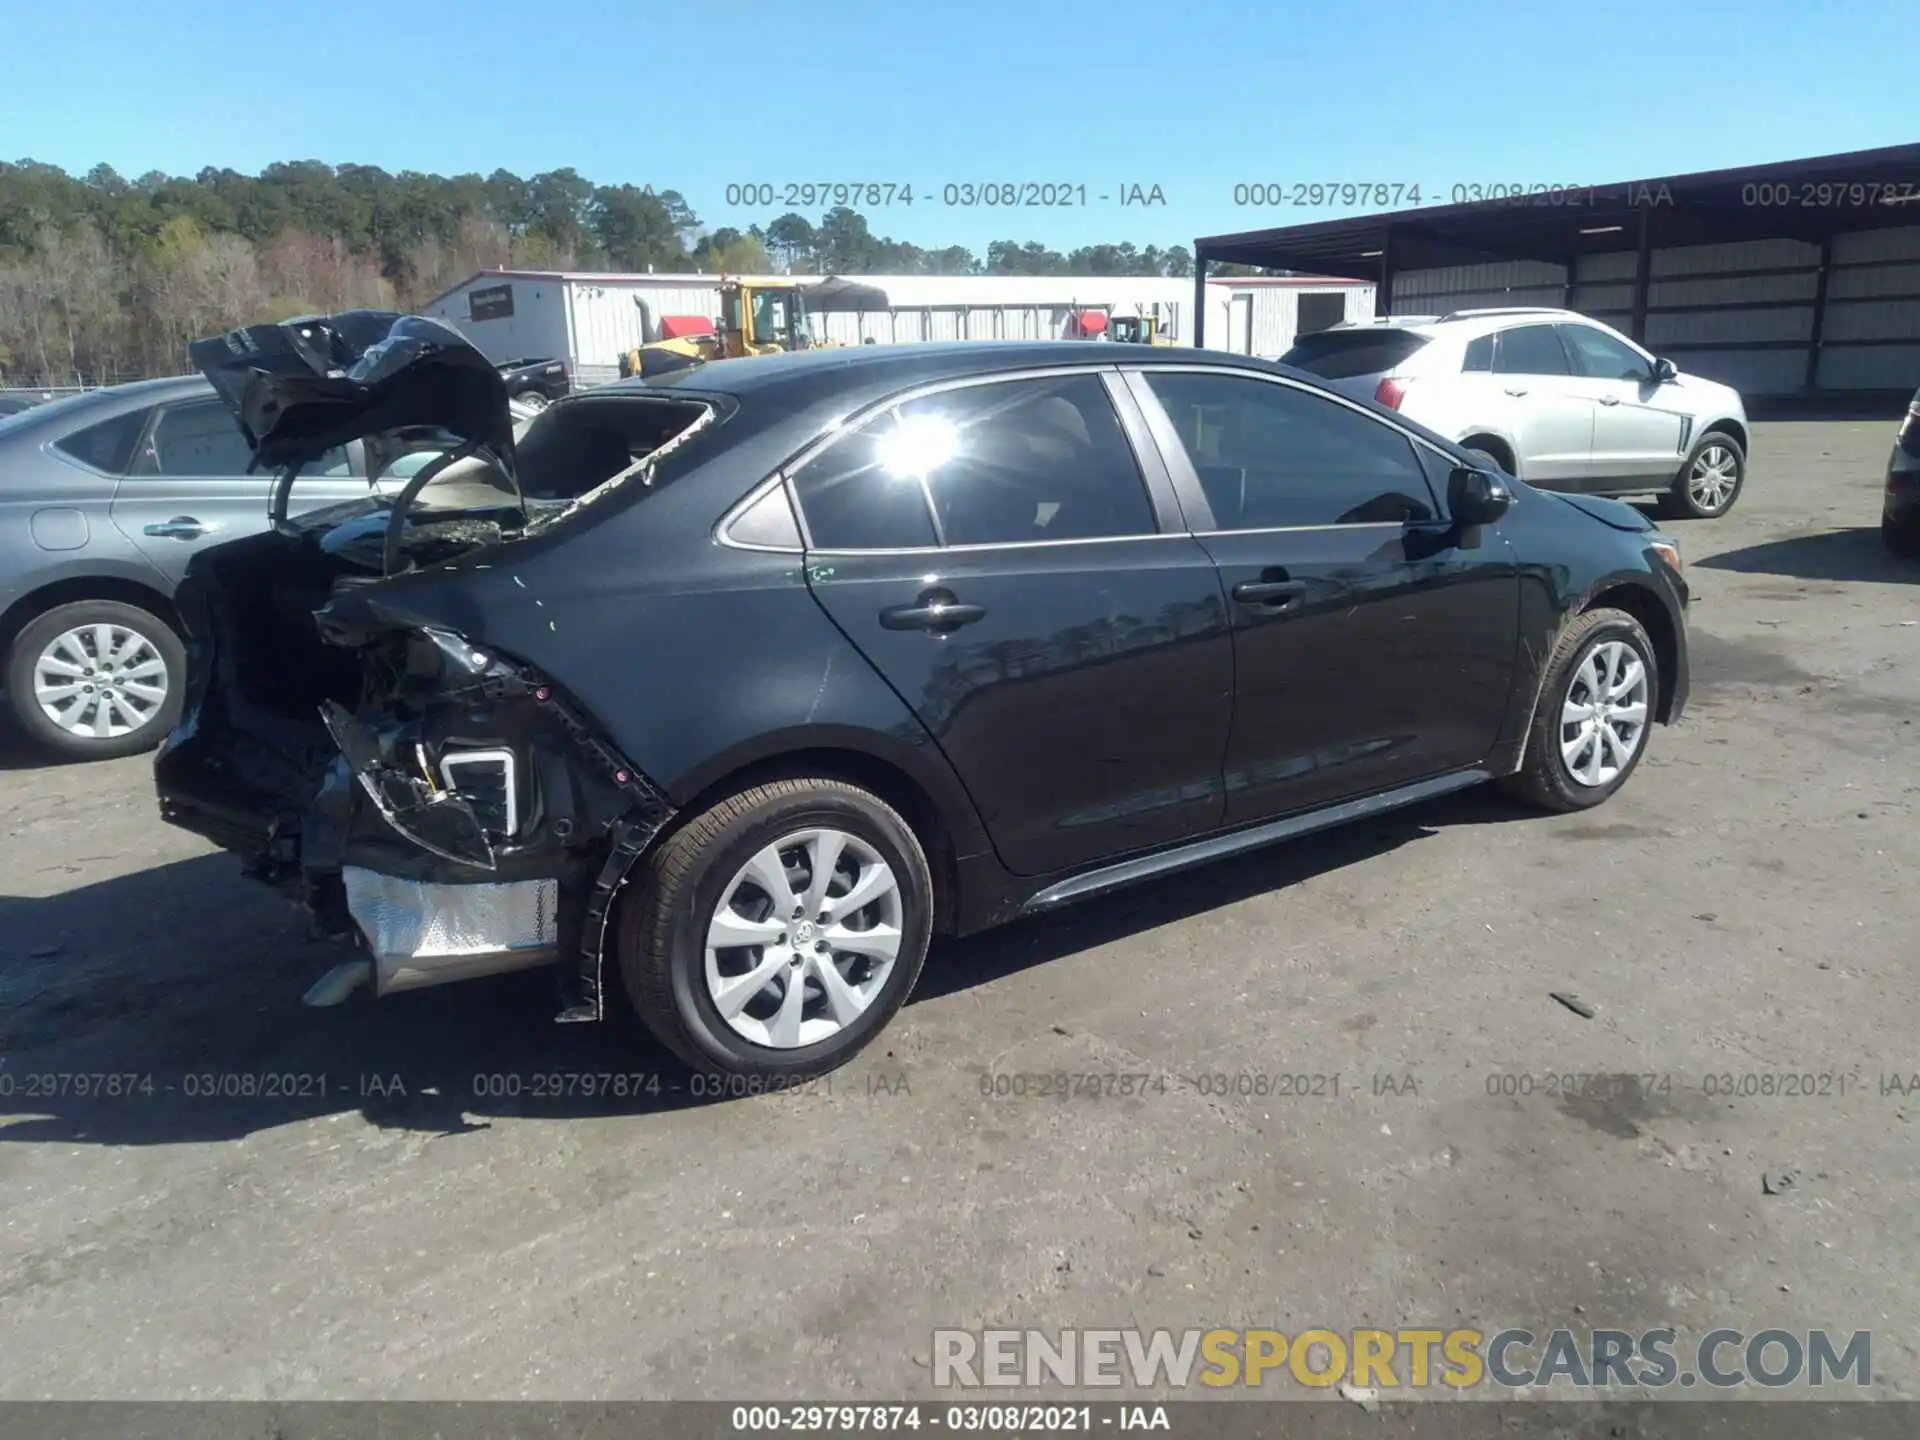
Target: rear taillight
point(1910, 427)
point(1391, 392)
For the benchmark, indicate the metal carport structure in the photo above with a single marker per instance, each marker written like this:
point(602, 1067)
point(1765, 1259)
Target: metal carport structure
point(1796, 276)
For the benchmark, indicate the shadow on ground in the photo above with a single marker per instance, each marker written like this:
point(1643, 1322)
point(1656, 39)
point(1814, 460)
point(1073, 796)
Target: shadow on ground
point(183, 981)
point(1852, 554)
point(17, 752)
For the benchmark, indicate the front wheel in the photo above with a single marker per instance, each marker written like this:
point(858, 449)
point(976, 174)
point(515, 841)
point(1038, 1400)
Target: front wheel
point(531, 399)
point(96, 679)
point(1710, 481)
point(1590, 728)
point(777, 933)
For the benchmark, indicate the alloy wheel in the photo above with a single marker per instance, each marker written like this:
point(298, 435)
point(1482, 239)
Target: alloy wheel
point(1603, 717)
point(804, 938)
point(100, 681)
point(1712, 477)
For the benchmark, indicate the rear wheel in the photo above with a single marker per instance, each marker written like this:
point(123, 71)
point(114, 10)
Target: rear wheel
point(1901, 540)
point(532, 399)
point(1710, 481)
point(96, 679)
point(778, 932)
point(1590, 729)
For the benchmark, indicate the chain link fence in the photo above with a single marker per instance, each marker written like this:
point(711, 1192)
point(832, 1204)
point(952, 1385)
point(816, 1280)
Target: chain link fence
point(24, 388)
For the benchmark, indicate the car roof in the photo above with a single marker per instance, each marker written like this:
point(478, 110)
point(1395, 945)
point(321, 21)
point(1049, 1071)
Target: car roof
point(1467, 323)
point(69, 412)
point(803, 375)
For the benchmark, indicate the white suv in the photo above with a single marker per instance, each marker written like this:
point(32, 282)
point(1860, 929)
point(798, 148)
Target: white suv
point(1551, 396)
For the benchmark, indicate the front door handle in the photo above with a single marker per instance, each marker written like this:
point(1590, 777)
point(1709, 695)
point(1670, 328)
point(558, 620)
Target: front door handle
point(180, 527)
point(936, 611)
point(1609, 399)
point(1275, 593)
point(1516, 392)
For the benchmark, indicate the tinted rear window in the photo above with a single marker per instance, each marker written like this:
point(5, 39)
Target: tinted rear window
point(107, 445)
point(1343, 354)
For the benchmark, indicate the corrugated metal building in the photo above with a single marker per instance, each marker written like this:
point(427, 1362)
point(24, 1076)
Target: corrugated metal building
point(1263, 315)
point(1793, 278)
point(1742, 312)
point(592, 319)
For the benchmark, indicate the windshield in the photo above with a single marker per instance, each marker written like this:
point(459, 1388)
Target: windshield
point(773, 317)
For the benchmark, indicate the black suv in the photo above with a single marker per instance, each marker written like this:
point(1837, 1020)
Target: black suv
point(753, 677)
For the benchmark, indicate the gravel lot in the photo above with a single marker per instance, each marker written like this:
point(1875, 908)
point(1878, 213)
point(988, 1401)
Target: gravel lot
point(1747, 907)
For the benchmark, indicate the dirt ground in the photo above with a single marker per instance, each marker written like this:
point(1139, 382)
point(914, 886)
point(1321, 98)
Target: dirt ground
point(425, 1217)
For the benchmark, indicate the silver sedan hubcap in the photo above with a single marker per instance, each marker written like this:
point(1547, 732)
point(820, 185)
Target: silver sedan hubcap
point(1604, 716)
point(804, 938)
point(102, 681)
point(1712, 478)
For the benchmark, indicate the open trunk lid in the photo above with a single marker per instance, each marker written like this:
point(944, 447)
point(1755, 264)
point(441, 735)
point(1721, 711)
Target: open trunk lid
point(304, 386)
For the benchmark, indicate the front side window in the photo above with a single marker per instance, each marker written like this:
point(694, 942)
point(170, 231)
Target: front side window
point(1530, 350)
point(1601, 357)
point(1009, 462)
point(1270, 456)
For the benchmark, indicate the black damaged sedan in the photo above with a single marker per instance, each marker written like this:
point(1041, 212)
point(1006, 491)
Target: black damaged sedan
point(739, 684)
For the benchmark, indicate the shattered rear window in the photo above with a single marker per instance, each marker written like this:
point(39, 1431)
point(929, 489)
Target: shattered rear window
point(574, 449)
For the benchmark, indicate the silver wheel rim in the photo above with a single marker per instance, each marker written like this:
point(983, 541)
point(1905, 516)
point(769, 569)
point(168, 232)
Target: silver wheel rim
point(804, 938)
point(1603, 716)
point(534, 400)
point(1712, 479)
point(100, 681)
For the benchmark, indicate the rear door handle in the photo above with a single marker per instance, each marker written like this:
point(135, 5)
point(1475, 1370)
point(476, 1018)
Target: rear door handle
point(1276, 593)
point(1609, 399)
point(1516, 392)
point(937, 612)
point(180, 527)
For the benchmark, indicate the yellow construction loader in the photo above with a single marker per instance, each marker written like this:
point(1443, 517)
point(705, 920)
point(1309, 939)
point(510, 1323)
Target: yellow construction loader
point(754, 319)
point(1098, 323)
point(1136, 330)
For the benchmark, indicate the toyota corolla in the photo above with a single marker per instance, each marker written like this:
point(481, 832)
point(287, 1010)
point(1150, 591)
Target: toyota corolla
point(735, 686)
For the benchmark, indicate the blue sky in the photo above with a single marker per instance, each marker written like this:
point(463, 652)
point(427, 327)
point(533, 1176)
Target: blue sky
point(1194, 97)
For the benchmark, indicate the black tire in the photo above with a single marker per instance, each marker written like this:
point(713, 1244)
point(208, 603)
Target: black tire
point(1489, 459)
point(41, 632)
point(663, 927)
point(533, 399)
point(1544, 778)
point(1901, 540)
point(1680, 501)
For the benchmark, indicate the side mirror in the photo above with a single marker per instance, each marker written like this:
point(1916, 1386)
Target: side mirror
point(1664, 370)
point(1477, 497)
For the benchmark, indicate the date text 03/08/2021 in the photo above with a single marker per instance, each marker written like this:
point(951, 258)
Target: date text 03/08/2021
point(958, 195)
point(1010, 1418)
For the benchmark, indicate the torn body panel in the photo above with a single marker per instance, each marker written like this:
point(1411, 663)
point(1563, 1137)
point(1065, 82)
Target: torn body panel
point(442, 804)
